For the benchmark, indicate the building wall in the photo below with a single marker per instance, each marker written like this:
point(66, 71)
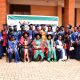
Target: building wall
point(44, 10)
point(59, 14)
point(78, 16)
point(3, 12)
point(36, 10)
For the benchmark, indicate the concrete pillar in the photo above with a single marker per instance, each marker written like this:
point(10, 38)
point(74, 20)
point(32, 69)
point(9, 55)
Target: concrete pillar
point(78, 16)
point(3, 12)
point(69, 13)
point(59, 14)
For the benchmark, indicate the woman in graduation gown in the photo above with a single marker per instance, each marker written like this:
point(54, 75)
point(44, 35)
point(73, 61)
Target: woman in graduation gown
point(61, 46)
point(51, 48)
point(39, 47)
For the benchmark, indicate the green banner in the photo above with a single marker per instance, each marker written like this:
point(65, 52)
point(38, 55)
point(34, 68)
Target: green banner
point(52, 18)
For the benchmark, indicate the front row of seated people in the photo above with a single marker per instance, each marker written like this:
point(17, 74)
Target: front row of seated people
point(37, 49)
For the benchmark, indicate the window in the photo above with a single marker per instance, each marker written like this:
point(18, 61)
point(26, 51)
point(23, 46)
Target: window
point(20, 9)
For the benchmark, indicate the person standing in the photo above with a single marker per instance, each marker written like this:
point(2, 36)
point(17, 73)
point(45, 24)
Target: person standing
point(67, 42)
point(16, 32)
point(43, 32)
point(31, 32)
point(50, 31)
point(73, 45)
point(4, 35)
point(21, 32)
point(37, 29)
point(77, 48)
point(1, 48)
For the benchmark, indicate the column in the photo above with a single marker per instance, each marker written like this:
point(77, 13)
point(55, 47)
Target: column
point(69, 13)
point(3, 12)
point(59, 14)
point(78, 16)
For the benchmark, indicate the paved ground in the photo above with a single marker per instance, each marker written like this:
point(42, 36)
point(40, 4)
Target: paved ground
point(69, 70)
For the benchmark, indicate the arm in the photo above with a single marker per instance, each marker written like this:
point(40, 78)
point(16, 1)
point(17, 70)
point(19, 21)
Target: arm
point(58, 45)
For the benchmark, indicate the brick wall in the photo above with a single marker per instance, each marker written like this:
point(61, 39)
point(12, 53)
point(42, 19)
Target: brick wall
point(3, 12)
point(59, 14)
point(69, 13)
point(44, 10)
point(78, 16)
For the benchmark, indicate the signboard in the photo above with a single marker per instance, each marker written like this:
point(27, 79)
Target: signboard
point(32, 19)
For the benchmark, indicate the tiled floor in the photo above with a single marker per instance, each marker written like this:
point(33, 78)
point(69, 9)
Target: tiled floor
point(69, 70)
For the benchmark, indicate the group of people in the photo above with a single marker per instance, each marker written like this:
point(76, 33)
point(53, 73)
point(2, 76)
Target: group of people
point(39, 44)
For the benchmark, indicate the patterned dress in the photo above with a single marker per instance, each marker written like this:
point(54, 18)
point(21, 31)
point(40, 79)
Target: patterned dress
point(51, 50)
point(61, 49)
point(43, 35)
point(24, 42)
point(38, 48)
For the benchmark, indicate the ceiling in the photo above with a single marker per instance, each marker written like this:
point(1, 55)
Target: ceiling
point(42, 2)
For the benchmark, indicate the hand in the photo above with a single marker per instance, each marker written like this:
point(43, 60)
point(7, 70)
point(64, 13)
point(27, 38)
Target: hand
point(25, 46)
point(37, 47)
point(77, 41)
point(64, 46)
point(55, 46)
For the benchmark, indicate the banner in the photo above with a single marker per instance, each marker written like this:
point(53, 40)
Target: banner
point(32, 19)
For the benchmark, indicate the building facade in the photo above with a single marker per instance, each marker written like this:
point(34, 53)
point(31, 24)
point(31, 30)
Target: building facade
point(68, 11)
